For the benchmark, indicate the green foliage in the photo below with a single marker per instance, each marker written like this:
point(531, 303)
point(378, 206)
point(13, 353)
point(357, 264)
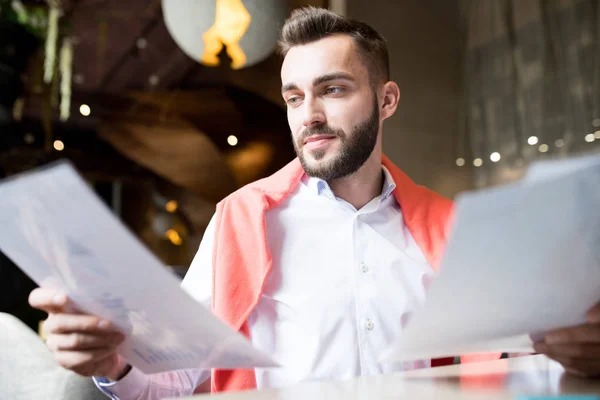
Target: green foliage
point(33, 18)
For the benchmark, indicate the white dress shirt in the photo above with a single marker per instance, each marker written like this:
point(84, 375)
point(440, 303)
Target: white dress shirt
point(343, 284)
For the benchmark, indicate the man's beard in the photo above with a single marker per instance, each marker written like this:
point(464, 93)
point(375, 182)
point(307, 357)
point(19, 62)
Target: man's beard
point(354, 151)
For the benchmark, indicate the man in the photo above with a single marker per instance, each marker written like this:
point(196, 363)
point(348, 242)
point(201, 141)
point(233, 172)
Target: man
point(321, 264)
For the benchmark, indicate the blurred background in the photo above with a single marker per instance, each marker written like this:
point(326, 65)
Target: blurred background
point(166, 107)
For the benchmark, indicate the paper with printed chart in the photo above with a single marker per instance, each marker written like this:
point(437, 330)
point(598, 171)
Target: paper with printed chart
point(54, 227)
point(522, 259)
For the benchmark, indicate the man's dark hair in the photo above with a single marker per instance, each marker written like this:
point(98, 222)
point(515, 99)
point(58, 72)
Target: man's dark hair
point(309, 24)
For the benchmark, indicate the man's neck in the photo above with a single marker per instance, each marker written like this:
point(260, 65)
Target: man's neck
point(361, 187)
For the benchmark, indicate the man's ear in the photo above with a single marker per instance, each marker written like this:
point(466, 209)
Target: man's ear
point(391, 97)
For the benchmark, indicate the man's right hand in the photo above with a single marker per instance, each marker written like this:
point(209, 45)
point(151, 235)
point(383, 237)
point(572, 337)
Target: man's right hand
point(82, 343)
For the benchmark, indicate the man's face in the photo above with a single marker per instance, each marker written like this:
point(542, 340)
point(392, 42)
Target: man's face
point(332, 109)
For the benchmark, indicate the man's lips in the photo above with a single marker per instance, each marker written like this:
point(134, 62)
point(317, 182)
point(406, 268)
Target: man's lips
point(315, 141)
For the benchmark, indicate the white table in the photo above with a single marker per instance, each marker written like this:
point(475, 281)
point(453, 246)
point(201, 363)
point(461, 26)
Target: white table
point(502, 379)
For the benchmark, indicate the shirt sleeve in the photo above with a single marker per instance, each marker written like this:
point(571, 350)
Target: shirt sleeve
point(198, 280)
point(138, 386)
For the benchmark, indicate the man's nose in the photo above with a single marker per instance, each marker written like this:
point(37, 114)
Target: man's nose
point(313, 112)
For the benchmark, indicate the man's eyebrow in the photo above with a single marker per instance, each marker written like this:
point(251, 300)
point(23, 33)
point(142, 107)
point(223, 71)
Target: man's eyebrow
point(320, 80)
point(289, 86)
point(332, 77)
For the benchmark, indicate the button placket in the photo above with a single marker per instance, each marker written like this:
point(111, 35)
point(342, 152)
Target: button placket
point(364, 267)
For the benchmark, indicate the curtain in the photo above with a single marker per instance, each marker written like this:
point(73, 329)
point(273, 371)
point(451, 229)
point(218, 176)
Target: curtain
point(531, 84)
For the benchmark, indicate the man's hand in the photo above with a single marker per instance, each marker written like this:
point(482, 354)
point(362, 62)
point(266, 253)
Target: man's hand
point(84, 344)
point(577, 348)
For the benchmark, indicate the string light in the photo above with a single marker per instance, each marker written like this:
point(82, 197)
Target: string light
point(141, 43)
point(597, 135)
point(29, 138)
point(543, 148)
point(559, 143)
point(232, 140)
point(85, 110)
point(460, 161)
point(153, 80)
point(590, 137)
point(174, 237)
point(495, 156)
point(171, 206)
point(59, 145)
point(533, 140)
point(478, 162)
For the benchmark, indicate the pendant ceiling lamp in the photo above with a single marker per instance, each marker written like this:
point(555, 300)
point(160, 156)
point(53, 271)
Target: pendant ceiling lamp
point(248, 29)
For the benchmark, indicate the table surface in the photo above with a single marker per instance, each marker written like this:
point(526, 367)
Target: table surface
point(514, 378)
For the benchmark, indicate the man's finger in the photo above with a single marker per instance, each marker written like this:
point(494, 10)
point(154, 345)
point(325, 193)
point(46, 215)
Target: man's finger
point(575, 350)
point(81, 360)
point(589, 333)
point(48, 300)
point(76, 323)
point(83, 341)
point(593, 315)
point(580, 367)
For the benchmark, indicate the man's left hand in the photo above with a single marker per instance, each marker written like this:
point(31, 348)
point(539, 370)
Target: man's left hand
point(576, 348)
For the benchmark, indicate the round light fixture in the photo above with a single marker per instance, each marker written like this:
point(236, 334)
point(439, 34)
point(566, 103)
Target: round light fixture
point(85, 110)
point(59, 145)
point(249, 29)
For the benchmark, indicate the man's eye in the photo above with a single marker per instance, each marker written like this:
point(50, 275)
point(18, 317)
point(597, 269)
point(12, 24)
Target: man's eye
point(334, 90)
point(293, 100)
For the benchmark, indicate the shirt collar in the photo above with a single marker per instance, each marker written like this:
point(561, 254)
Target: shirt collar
point(321, 187)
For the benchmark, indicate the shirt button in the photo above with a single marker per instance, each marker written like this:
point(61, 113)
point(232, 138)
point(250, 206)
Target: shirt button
point(364, 267)
point(370, 325)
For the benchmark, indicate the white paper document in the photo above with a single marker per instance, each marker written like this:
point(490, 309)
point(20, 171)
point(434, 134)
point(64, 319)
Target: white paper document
point(59, 232)
point(522, 259)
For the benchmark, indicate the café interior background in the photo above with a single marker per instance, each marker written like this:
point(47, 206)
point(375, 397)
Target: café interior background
point(163, 120)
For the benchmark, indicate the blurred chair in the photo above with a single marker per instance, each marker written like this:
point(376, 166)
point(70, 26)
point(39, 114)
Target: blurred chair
point(29, 372)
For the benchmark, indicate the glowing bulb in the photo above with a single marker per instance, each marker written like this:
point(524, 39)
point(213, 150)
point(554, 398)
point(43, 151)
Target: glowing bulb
point(141, 43)
point(543, 148)
point(478, 162)
point(559, 143)
point(460, 162)
point(232, 20)
point(597, 135)
point(85, 110)
point(533, 140)
point(232, 140)
point(29, 138)
point(59, 145)
point(174, 237)
point(590, 137)
point(171, 206)
point(153, 80)
point(495, 156)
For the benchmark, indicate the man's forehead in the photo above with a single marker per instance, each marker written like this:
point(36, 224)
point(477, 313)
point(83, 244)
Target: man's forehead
point(334, 54)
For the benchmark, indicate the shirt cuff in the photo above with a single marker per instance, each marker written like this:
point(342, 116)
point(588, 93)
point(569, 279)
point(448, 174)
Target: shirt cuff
point(128, 387)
